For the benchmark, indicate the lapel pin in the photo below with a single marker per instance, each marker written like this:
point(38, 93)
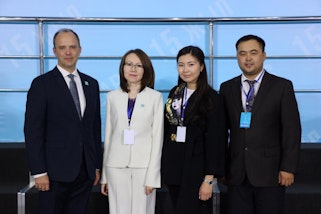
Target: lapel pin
point(86, 83)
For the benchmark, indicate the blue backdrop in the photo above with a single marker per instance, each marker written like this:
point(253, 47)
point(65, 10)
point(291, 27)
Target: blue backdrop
point(164, 8)
point(291, 41)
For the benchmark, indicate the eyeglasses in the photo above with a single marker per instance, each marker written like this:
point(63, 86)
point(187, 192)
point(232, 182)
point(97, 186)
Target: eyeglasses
point(137, 66)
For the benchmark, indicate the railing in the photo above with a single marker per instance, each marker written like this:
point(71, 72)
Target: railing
point(211, 22)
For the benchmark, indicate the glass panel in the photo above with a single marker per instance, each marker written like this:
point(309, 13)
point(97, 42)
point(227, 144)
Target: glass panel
point(309, 107)
point(281, 39)
point(302, 72)
point(224, 69)
point(18, 73)
point(20, 39)
point(116, 39)
point(12, 111)
point(166, 73)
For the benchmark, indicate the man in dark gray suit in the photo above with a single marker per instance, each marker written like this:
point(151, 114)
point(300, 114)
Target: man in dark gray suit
point(63, 131)
point(265, 133)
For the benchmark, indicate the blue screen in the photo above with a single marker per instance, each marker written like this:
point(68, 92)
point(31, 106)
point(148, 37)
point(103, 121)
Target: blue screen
point(293, 48)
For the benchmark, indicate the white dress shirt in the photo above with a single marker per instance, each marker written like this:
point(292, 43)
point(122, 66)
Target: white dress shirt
point(245, 87)
point(80, 89)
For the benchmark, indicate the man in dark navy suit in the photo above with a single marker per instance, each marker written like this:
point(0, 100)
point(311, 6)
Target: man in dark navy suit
point(265, 133)
point(63, 132)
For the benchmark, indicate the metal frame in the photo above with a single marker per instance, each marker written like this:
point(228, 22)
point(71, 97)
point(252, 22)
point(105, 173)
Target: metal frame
point(211, 21)
point(216, 197)
point(21, 196)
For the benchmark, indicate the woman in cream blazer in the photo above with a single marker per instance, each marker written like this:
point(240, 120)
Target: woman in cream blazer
point(133, 138)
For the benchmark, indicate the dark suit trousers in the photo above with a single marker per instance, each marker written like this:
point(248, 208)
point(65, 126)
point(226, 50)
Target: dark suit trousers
point(248, 199)
point(66, 197)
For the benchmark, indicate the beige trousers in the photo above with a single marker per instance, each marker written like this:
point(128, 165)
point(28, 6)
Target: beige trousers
point(126, 191)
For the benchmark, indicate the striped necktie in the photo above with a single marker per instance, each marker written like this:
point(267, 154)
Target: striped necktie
point(250, 95)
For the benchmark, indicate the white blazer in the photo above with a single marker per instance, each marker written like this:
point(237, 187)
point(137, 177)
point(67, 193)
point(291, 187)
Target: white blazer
point(147, 121)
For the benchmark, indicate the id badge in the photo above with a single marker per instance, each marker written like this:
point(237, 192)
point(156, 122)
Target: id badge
point(129, 136)
point(181, 134)
point(245, 120)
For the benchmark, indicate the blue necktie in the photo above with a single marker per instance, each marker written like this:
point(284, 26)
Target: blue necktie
point(250, 95)
point(74, 93)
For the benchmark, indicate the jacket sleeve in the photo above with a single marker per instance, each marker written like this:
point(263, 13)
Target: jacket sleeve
point(108, 131)
point(153, 171)
point(291, 130)
point(34, 127)
point(97, 130)
point(215, 142)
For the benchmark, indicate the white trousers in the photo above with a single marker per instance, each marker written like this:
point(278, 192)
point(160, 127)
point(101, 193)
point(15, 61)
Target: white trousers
point(126, 192)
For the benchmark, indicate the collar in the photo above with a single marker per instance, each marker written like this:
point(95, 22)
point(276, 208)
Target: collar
point(65, 73)
point(257, 79)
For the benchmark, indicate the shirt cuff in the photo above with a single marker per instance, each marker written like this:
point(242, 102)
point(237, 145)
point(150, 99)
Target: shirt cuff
point(39, 175)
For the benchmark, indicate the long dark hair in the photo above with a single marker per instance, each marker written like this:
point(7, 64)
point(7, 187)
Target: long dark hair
point(202, 86)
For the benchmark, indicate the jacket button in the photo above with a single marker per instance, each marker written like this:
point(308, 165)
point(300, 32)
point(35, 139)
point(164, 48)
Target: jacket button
point(245, 149)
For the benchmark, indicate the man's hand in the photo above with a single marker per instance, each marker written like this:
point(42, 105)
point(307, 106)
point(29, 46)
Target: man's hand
point(205, 191)
point(286, 178)
point(97, 179)
point(42, 183)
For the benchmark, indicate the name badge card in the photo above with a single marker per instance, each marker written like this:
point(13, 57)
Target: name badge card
point(129, 136)
point(181, 134)
point(245, 120)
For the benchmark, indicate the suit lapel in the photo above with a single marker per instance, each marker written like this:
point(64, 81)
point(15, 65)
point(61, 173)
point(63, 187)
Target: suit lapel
point(87, 92)
point(236, 94)
point(61, 82)
point(63, 88)
point(64, 92)
point(262, 92)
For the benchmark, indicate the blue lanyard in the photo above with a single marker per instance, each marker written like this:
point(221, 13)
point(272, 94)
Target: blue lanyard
point(130, 109)
point(184, 106)
point(249, 94)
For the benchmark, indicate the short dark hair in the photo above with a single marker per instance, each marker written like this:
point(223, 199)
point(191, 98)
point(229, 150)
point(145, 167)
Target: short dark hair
point(251, 37)
point(148, 78)
point(65, 30)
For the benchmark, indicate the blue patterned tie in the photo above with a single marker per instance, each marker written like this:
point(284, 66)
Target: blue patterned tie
point(74, 93)
point(250, 95)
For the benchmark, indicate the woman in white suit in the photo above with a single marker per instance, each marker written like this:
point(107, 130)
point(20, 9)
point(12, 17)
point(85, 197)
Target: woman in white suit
point(133, 138)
